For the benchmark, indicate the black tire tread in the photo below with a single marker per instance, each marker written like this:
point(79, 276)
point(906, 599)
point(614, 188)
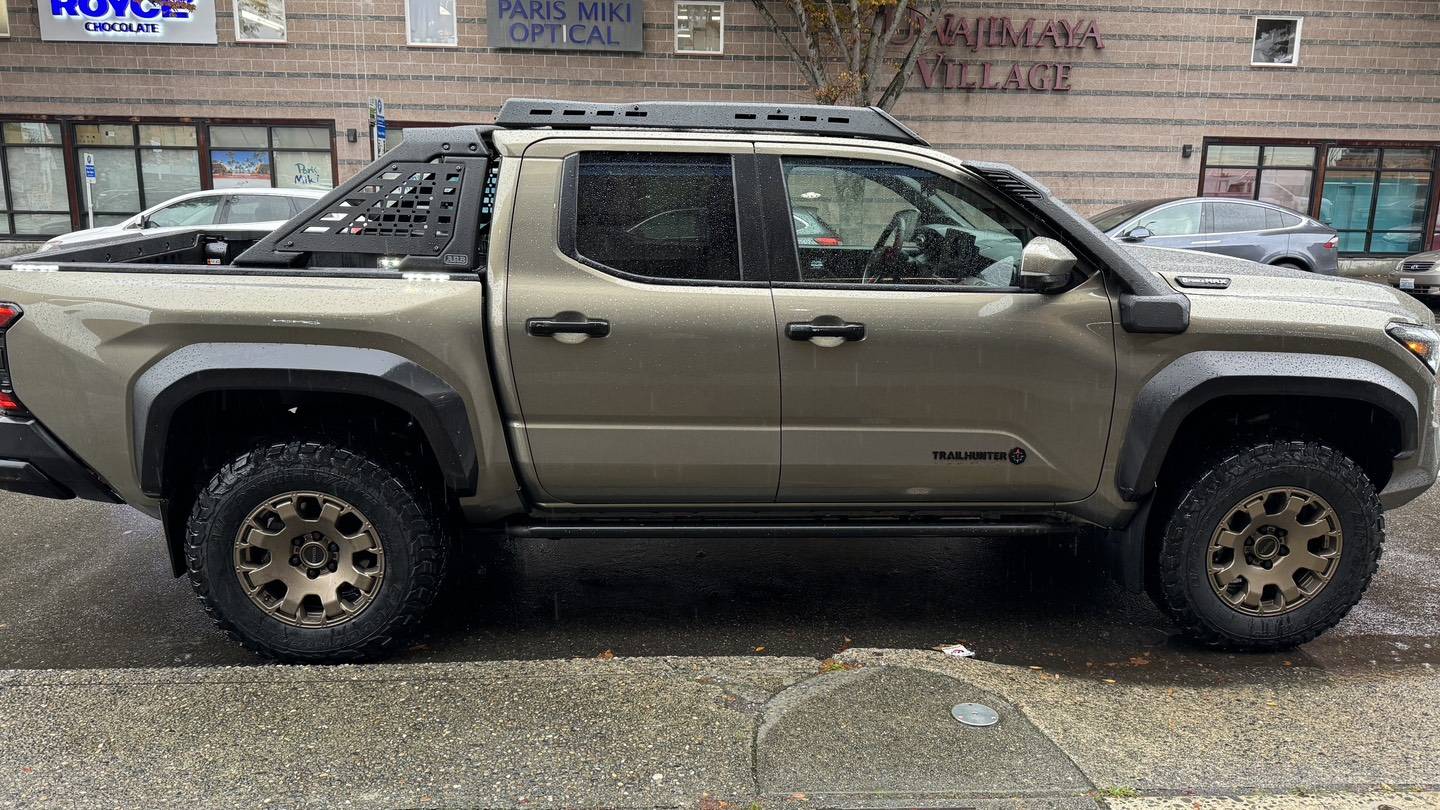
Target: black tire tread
point(423, 532)
point(1238, 461)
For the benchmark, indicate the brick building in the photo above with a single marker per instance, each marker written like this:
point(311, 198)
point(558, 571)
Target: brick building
point(1331, 107)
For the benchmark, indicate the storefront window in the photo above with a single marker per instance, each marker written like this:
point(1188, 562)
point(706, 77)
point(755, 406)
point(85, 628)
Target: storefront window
point(280, 157)
point(136, 167)
point(699, 27)
point(34, 200)
point(4, 20)
point(259, 20)
point(431, 22)
point(1283, 175)
point(1377, 199)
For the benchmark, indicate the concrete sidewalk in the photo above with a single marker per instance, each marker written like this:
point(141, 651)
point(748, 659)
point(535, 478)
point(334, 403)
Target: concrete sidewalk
point(690, 732)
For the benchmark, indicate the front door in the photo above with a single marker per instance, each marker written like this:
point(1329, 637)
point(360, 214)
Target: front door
point(912, 365)
point(641, 333)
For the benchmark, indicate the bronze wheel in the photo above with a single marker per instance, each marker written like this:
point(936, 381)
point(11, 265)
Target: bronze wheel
point(1275, 551)
point(309, 559)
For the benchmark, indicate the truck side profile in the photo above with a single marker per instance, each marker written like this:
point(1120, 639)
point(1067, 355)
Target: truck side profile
point(597, 320)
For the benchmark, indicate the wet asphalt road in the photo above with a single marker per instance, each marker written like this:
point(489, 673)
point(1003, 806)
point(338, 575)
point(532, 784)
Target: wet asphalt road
point(87, 585)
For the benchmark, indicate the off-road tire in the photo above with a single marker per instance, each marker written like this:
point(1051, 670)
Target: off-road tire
point(1183, 587)
point(415, 550)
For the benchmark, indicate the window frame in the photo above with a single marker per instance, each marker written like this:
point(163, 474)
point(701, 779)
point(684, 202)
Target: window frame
point(785, 258)
point(9, 212)
point(675, 28)
point(410, 28)
point(1255, 33)
point(244, 40)
point(1207, 215)
point(747, 216)
point(1430, 228)
point(4, 19)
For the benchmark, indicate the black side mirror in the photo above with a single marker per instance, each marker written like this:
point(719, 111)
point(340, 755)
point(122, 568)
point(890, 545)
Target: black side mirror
point(145, 223)
point(1139, 233)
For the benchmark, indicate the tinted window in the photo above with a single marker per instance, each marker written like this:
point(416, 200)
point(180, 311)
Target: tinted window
point(859, 221)
point(189, 212)
point(669, 216)
point(1230, 217)
point(1177, 220)
point(258, 208)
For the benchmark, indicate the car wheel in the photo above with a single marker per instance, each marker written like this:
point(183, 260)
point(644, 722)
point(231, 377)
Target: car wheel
point(1292, 265)
point(308, 552)
point(1269, 546)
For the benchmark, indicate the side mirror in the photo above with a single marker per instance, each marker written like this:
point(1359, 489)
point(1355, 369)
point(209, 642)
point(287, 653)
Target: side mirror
point(143, 223)
point(1045, 265)
point(1139, 233)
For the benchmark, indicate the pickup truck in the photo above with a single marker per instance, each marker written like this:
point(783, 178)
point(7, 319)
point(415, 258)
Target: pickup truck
point(594, 320)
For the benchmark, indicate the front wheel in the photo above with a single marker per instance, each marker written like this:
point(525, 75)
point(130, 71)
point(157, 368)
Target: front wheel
point(1270, 546)
point(309, 552)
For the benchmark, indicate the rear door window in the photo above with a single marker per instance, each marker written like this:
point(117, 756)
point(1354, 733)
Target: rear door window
point(258, 208)
point(658, 215)
point(1234, 217)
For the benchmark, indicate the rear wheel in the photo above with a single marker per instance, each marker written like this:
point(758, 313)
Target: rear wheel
point(312, 553)
point(1270, 546)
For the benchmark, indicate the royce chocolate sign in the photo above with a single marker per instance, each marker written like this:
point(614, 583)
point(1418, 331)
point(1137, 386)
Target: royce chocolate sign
point(944, 65)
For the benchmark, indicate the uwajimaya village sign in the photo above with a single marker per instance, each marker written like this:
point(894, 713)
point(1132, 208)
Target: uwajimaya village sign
point(941, 67)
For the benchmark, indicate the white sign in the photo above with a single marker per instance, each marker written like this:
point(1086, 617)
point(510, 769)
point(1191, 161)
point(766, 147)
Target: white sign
point(169, 21)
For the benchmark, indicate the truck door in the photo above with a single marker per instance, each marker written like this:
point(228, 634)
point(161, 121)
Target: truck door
point(640, 325)
point(914, 368)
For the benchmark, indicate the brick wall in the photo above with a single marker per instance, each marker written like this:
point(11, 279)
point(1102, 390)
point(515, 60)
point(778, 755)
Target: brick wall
point(1171, 73)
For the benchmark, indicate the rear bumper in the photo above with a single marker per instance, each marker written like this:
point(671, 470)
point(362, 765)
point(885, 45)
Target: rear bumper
point(33, 462)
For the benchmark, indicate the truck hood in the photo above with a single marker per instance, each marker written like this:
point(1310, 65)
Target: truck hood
point(1249, 279)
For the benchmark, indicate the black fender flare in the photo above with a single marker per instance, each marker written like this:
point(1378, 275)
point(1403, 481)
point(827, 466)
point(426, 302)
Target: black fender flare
point(201, 368)
point(1194, 379)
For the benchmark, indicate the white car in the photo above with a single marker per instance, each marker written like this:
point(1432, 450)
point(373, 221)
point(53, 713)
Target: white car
point(222, 208)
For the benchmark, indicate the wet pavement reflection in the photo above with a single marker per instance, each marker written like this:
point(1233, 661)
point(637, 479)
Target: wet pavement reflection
point(88, 585)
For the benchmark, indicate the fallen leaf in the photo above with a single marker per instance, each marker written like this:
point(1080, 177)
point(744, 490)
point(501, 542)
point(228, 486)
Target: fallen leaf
point(607, 655)
point(1109, 680)
point(797, 797)
point(759, 649)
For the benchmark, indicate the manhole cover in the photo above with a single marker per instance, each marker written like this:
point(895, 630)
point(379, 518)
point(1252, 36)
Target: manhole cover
point(974, 714)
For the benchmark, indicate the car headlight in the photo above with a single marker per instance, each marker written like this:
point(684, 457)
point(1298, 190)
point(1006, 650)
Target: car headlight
point(1422, 341)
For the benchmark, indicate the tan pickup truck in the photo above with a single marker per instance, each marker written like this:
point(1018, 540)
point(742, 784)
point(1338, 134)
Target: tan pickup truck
point(667, 320)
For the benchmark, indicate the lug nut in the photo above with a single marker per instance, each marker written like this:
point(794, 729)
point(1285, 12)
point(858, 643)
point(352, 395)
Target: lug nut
point(334, 546)
point(333, 565)
point(312, 573)
point(295, 560)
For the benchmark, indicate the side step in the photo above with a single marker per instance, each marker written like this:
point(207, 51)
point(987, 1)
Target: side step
point(732, 530)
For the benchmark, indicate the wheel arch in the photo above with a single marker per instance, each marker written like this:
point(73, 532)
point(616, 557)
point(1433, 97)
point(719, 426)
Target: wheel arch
point(1202, 379)
point(1290, 258)
point(206, 368)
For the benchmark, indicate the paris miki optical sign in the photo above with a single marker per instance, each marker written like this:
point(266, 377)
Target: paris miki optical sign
point(166, 21)
point(945, 65)
point(567, 25)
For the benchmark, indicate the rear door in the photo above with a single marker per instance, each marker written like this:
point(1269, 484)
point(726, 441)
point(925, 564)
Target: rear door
point(640, 326)
point(1241, 230)
point(914, 369)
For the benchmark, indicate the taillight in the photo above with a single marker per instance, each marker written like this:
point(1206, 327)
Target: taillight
point(827, 241)
point(9, 313)
point(1332, 242)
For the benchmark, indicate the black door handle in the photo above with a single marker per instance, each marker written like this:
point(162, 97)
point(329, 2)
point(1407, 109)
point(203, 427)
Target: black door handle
point(547, 327)
point(805, 331)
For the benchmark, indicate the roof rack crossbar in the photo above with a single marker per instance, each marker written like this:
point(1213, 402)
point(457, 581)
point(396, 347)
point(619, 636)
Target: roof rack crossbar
point(807, 119)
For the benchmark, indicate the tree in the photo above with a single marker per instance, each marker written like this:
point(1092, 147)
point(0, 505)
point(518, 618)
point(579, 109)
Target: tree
point(845, 43)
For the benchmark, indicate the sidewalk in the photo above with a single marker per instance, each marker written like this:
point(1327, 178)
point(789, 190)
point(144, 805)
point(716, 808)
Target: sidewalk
point(676, 732)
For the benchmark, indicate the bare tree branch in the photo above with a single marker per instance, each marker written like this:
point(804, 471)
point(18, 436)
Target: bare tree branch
point(907, 65)
point(835, 33)
point(806, 65)
point(880, 38)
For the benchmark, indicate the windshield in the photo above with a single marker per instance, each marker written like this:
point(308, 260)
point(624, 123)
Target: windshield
point(1105, 220)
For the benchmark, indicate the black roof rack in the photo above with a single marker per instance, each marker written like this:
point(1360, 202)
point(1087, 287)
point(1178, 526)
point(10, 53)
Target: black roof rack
point(807, 119)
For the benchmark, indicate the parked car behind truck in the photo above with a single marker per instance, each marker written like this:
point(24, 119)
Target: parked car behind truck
point(1247, 229)
point(474, 331)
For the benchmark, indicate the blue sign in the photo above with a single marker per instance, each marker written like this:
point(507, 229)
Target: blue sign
point(89, 168)
point(567, 25)
point(170, 21)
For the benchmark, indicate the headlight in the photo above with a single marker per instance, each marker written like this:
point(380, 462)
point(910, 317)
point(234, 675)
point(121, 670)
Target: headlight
point(1422, 341)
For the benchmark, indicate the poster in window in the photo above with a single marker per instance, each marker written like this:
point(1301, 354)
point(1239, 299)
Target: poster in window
point(240, 168)
point(4, 19)
point(1277, 42)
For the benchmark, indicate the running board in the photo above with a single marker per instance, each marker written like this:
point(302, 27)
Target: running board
point(785, 530)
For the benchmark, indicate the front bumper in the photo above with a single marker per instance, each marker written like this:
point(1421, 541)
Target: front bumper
point(33, 462)
point(1417, 283)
